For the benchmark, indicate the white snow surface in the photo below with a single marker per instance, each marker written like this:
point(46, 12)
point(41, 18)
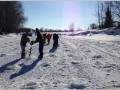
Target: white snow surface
point(90, 61)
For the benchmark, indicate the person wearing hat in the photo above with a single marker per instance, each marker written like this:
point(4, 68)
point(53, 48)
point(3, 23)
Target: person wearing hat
point(40, 39)
point(23, 42)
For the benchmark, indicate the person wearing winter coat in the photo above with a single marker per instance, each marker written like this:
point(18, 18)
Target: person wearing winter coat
point(55, 39)
point(45, 37)
point(48, 38)
point(40, 40)
point(23, 42)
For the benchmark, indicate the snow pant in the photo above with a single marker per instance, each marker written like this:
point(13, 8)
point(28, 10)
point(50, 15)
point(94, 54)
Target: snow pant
point(23, 52)
point(48, 41)
point(41, 50)
point(55, 44)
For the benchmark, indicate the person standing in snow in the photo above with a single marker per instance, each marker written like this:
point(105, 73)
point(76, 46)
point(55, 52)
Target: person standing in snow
point(55, 39)
point(44, 35)
point(48, 38)
point(40, 39)
point(24, 40)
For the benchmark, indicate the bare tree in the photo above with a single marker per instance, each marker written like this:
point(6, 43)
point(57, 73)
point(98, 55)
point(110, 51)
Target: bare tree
point(116, 11)
point(71, 27)
point(11, 16)
point(100, 14)
point(114, 8)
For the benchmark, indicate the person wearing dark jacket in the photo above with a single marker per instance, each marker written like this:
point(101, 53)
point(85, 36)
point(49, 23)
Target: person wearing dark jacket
point(55, 39)
point(40, 39)
point(44, 35)
point(23, 42)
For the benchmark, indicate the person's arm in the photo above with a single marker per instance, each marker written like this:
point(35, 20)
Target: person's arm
point(28, 40)
point(32, 42)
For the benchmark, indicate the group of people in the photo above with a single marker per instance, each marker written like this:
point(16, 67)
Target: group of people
point(41, 39)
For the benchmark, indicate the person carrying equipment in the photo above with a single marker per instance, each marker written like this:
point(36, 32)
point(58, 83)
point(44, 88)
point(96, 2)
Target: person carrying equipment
point(40, 39)
point(23, 42)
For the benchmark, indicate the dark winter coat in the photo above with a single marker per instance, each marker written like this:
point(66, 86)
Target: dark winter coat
point(55, 37)
point(40, 38)
point(24, 40)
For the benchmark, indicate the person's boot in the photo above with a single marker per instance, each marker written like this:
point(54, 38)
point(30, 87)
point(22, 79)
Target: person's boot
point(22, 55)
point(40, 56)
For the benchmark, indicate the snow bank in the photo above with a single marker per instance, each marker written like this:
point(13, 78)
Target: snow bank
point(106, 34)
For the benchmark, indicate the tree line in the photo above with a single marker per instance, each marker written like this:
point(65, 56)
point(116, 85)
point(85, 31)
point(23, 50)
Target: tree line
point(11, 16)
point(108, 14)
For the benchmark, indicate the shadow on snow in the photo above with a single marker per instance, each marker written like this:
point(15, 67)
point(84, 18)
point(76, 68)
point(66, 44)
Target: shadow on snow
point(4, 67)
point(52, 50)
point(25, 69)
point(46, 44)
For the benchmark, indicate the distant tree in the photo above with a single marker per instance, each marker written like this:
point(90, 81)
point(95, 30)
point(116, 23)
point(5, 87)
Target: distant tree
point(98, 14)
point(108, 19)
point(116, 11)
point(93, 26)
point(11, 16)
point(42, 29)
point(71, 27)
point(79, 29)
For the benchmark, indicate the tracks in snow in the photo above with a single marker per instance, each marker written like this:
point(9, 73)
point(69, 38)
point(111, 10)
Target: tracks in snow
point(94, 57)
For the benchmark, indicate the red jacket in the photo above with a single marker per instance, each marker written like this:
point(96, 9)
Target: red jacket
point(49, 36)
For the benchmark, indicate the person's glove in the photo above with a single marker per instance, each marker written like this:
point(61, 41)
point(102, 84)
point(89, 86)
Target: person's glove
point(32, 42)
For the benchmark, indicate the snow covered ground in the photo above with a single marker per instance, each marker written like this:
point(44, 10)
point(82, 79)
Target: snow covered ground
point(90, 61)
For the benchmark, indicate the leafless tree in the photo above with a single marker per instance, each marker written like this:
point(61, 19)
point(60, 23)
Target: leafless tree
point(11, 16)
point(71, 27)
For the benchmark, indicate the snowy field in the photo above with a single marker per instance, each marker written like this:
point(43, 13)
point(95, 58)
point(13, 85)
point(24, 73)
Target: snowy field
point(82, 61)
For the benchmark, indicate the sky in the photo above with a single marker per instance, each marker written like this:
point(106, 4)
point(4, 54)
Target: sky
point(59, 14)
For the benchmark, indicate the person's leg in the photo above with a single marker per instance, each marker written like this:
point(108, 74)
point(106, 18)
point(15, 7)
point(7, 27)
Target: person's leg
point(48, 41)
point(54, 44)
point(23, 52)
point(41, 50)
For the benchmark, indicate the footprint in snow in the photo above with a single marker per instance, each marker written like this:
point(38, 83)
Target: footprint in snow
point(45, 65)
point(2, 55)
point(65, 47)
point(30, 85)
point(52, 55)
point(97, 56)
point(70, 55)
point(4, 46)
point(110, 66)
point(117, 86)
point(77, 86)
point(67, 50)
point(10, 42)
point(74, 63)
point(88, 51)
point(10, 45)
